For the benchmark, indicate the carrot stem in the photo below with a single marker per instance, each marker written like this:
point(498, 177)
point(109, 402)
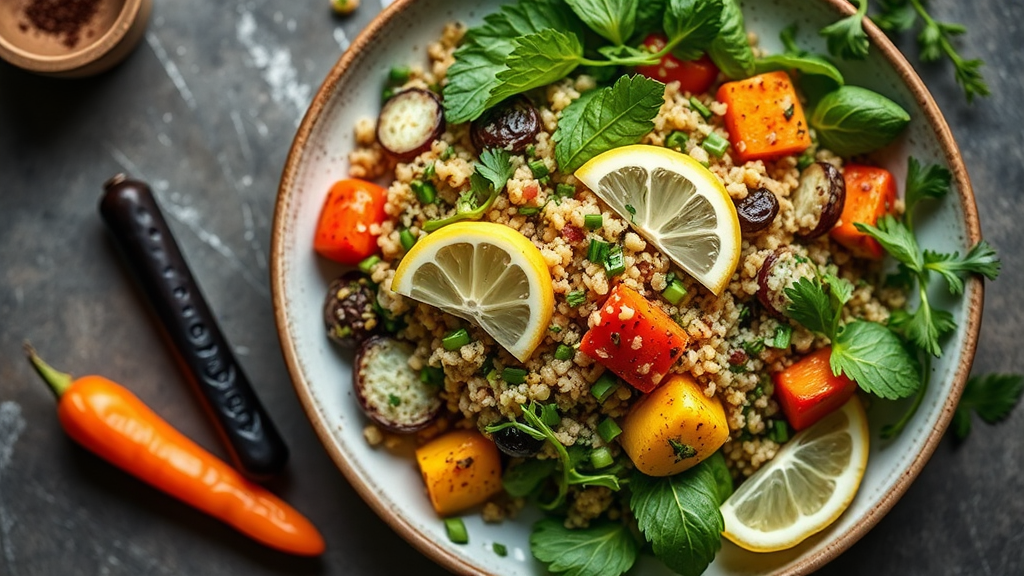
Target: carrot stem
point(59, 381)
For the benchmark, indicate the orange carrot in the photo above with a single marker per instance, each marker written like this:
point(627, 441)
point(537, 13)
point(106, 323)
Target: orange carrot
point(461, 469)
point(345, 232)
point(764, 118)
point(870, 193)
point(808, 390)
point(634, 339)
point(113, 423)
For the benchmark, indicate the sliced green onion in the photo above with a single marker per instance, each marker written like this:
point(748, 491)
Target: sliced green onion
point(779, 432)
point(715, 145)
point(677, 140)
point(456, 529)
point(399, 74)
point(429, 171)
point(575, 298)
point(456, 339)
point(529, 210)
point(499, 549)
point(601, 457)
point(674, 292)
point(538, 168)
point(614, 262)
point(700, 107)
point(368, 264)
point(407, 238)
point(564, 352)
point(447, 153)
point(565, 190)
point(555, 328)
point(514, 375)
point(608, 430)
point(597, 251)
point(432, 375)
point(425, 191)
point(604, 387)
point(783, 336)
point(593, 221)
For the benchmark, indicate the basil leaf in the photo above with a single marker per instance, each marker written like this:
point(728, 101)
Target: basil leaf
point(523, 478)
point(649, 16)
point(805, 63)
point(537, 60)
point(614, 116)
point(481, 57)
point(613, 20)
point(692, 25)
point(679, 515)
point(853, 120)
point(875, 358)
point(730, 50)
point(603, 549)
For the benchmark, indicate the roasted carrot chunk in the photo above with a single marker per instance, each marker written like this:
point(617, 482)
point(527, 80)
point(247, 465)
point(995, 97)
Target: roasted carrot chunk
point(349, 221)
point(870, 193)
point(764, 119)
point(808, 390)
point(461, 469)
point(634, 339)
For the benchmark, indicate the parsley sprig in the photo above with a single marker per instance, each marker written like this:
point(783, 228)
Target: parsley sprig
point(847, 39)
point(488, 180)
point(535, 426)
point(991, 396)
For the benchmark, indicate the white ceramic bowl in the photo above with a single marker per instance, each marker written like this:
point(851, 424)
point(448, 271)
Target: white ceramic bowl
point(392, 486)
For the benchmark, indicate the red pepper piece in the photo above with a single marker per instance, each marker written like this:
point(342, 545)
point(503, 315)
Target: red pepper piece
point(808, 390)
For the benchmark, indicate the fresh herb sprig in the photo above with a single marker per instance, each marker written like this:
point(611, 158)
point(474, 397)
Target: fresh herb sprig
point(991, 396)
point(604, 548)
point(535, 426)
point(489, 179)
point(847, 39)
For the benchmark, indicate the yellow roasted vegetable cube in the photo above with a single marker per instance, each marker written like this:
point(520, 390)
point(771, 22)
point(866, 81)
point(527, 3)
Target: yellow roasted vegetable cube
point(461, 469)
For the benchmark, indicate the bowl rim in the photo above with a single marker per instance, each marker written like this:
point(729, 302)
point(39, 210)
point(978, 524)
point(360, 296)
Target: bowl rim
point(423, 542)
point(77, 58)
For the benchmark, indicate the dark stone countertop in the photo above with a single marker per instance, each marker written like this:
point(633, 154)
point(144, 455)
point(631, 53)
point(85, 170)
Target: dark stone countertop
point(204, 110)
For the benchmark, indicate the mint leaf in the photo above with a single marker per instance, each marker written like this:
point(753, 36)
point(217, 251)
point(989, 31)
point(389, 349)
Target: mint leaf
point(730, 50)
point(603, 549)
point(691, 26)
point(846, 38)
point(897, 240)
point(649, 16)
point(992, 396)
point(852, 120)
point(470, 79)
point(930, 182)
point(812, 307)
point(614, 20)
point(536, 60)
point(679, 515)
point(981, 259)
point(614, 116)
point(875, 358)
point(805, 63)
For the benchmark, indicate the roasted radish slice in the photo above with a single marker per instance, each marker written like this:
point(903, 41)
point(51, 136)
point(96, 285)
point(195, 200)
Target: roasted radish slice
point(514, 123)
point(818, 199)
point(409, 122)
point(781, 269)
point(757, 211)
point(389, 391)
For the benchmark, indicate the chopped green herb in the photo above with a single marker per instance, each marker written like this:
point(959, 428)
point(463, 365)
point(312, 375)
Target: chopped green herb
point(604, 387)
point(677, 140)
point(614, 262)
point(499, 549)
point(456, 339)
point(575, 298)
point(608, 430)
point(529, 210)
point(564, 191)
point(538, 168)
point(682, 451)
point(601, 457)
point(432, 375)
point(447, 153)
point(425, 191)
point(394, 400)
point(715, 145)
point(555, 328)
point(593, 221)
point(788, 112)
point(632, 212)
point(674, 292)
point(549, 415)
point(805, 160)
point(754, 348)
point(407, 239)
point(387, 93)
point(456, 529)
point(564, 352)
point(367, 265)
point(514, 375)
point(399, 74)
point(782, 338)
point(597, 251)
point(700, 107)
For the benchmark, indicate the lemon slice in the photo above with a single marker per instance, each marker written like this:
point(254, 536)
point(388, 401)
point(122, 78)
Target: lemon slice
point(675, 203)
point(805, 487)
point(486, 273)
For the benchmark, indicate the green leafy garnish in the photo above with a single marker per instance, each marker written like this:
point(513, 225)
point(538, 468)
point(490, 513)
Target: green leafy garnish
point(614, 20)
point(536, 60)
point(679, 514)
point(607, 118)
point(852, 120)
point(492, 173)
point(730, 50)
point(991, 396)
point(930, 182)
point(805, 63)
point(846, 38)
point(524, 478)
point(603, 549)
point(866, 352)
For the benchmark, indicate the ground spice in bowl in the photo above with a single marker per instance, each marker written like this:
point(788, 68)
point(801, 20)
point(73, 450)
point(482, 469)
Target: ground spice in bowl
point(64, 18)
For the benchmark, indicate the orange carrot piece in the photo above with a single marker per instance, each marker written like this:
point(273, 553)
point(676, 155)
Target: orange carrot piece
point(461, 469)
point(765, 119)
point(808, 390)
point(870, 193)
point(346, 230)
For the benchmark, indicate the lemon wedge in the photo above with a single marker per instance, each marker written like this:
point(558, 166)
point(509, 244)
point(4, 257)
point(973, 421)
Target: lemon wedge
point(486, 273)
point(808, 484)
point(675, 203)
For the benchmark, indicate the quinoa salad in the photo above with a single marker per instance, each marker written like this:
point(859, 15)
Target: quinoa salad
point(767, 326)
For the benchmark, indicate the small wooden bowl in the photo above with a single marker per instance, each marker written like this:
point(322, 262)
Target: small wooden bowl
point(106, 39)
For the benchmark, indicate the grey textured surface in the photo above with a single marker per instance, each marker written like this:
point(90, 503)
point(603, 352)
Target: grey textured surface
point(205, 110)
